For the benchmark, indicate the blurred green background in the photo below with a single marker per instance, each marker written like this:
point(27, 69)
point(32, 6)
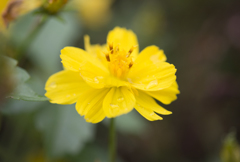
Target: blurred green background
point(201, 38)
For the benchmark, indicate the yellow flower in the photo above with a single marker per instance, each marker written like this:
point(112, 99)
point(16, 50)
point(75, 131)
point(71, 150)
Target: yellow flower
point(94, 13)
point(111, 80)
point(3, 5)
point(11, 10)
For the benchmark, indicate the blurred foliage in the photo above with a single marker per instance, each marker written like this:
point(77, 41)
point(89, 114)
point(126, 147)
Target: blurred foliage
point(231, 149)
point(66, 132)
point(201, 38)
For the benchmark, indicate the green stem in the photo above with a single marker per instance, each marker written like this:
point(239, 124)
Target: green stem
point(112, 141)
point(22, 49)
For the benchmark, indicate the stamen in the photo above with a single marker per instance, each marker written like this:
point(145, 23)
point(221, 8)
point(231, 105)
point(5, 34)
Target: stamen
point(110, 47)
point(131, 64)
point(131, 50)
point(119, 60)
point(107, 57)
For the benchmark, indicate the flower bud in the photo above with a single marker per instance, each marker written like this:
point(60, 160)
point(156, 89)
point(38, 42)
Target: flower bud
point(54, 6)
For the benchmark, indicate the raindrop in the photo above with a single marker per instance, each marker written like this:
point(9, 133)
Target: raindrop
point(152, 114)
point(155, 58)
point(129, 80)
point(114, 106)
point(74, 94)
point(88, 103)
point(120, 99)
point(152, 84)
point(96, 80)
point(68, 95)
point(52, 85)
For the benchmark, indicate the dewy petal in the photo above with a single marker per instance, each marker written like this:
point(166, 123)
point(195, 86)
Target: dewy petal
point(147, 107)
point(65, 87)
point(90, 104)
point(149, 71)
point(126, 39)
point(90, 68)
point(118, 101)
point(166, 95)
point(154, 53)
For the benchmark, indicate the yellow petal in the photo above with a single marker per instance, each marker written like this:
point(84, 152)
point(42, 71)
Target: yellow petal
point(118, 101)
point(149, 71)
point(147, 107)
point(95, 50)
point(147, 113)
point(125, 38)
point(153, 53)
point(64, 87)
point(90, 104)
point(91, 69)
point(166, 95)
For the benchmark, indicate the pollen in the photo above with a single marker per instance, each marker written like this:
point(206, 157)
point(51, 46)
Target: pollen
point(120, 61)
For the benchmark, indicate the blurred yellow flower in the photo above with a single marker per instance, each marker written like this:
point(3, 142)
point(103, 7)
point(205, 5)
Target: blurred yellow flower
point(3, 5)
point(12, 9)
point(94, 13)
point(109, 80)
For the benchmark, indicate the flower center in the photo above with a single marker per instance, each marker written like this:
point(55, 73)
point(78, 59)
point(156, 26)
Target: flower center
point(120, 61)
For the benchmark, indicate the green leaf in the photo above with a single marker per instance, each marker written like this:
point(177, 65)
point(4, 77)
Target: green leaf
point(20, 76)
point(24, 92)
point(9, 61)
point(63, 129)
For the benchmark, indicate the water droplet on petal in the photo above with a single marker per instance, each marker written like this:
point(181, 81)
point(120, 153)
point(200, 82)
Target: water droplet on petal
point(152, 113)
point(96, 80)
point(74, 94)
point(155, 59)
point(152, 84)
point(114, 106)
point(120, 99)
point(129, 80)
point(68, 95)
point(88, 103)
point(52, 85)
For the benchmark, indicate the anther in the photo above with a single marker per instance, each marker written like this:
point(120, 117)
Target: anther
point(130, 64)
point(110, 46)
point(131, 50)
point(107, 57)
